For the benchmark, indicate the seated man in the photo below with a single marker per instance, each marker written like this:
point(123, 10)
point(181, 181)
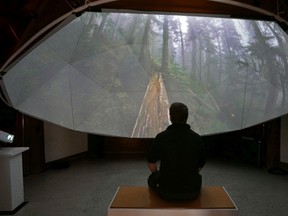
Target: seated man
point(180, 152)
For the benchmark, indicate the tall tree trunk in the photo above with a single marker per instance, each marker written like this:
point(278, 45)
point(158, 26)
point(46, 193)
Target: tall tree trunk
point(192, 36)
point(165, 50)
point(182, 45)
point(199, 54)
point(271, 77)
point(101, 27)
point(281, 76)
point(145, 57)
point(132, 30)
point(193, 58)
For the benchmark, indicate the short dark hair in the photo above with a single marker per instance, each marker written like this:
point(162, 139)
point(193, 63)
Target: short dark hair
point(178, 113)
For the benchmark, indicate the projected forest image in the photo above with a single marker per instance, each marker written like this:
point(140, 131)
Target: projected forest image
point(117, 73)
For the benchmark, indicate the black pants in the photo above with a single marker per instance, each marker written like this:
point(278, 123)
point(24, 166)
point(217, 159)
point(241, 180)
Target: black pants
point(153, 182)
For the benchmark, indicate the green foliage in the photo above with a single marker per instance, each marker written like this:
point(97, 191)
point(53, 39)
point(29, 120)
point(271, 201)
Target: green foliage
point(185, 79)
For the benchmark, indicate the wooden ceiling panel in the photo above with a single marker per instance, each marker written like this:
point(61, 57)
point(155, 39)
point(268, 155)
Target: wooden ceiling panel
point(181, 6)
point(20, 20)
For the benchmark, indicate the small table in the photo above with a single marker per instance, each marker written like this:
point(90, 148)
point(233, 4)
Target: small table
point(11, 179)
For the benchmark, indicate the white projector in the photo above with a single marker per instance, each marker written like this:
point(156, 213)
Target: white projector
point(6, 137)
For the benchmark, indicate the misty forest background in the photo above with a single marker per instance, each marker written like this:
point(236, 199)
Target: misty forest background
point(222, 65)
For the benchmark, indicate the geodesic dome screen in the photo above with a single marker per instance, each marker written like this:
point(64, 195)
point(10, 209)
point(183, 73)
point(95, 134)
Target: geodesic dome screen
point(117, 73)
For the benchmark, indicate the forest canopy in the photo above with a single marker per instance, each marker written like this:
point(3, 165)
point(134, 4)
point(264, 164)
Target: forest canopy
point(117, 73)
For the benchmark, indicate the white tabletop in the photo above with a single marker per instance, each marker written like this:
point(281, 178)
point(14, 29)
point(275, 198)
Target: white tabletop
point(11, 151)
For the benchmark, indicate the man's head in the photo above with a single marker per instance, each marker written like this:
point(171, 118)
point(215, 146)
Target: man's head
point(178, 113)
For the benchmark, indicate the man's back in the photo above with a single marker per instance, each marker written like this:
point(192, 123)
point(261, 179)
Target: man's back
point(181, 154)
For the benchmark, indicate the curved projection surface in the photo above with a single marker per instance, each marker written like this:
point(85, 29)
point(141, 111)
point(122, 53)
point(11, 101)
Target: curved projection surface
point(117, 73)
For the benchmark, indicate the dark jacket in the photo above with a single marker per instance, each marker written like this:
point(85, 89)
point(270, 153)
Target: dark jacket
point(181, 153)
